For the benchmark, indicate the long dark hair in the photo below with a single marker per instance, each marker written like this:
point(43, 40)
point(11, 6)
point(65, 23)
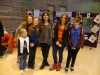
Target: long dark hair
point(60, 20)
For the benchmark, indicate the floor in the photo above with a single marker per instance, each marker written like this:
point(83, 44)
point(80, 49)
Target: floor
point(87, 63)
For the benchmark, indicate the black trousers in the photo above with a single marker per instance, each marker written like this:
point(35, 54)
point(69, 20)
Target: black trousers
point(32, 53)
point(45, 51)
point(72, 54)
point(2, 48)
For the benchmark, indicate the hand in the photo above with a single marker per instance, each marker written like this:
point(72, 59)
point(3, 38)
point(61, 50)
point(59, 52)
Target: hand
point(31, 44)
point(58, 44)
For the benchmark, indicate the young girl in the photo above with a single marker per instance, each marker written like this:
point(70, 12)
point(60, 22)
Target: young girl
point(59, 41)
point(75, 41)
point(34, 36)
point(45, 38)
point(23, 49)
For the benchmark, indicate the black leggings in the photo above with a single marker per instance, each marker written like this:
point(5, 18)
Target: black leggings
point(45, 52)
point(71, 57)
point(32, 53)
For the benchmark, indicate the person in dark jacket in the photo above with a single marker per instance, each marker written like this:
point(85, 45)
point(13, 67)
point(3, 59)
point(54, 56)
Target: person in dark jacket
point(74, 42)
point(34, 37)
point(45, 37)
point(1, 30)
point(2, 48)
point(59, 41)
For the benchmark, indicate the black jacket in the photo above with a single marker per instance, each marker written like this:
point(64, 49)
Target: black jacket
point(55, 38)
point(1, 30)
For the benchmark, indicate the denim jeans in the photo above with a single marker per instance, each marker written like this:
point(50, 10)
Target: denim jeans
point(22, 61)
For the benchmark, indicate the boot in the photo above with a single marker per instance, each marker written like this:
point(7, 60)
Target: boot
point(58, 67)
point(54, 66)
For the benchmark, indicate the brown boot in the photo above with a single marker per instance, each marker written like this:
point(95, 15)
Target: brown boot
point(58, 67)
point(54, 66)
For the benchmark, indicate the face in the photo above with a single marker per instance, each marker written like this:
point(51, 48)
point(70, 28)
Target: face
point(75, 23)
point(24, 33)
point(29, 20)
point(45, 17)
point(36, 21)
point(63, 19)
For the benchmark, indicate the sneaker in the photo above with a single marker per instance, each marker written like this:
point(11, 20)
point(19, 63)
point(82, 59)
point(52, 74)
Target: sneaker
point(31, 67)
point(46, 64)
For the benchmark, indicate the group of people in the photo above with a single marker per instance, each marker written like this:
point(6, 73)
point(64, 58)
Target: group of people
point(34, 32)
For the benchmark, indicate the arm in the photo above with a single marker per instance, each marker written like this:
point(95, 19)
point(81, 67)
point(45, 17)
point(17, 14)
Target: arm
point(18, 47)
point(82, 38)
point(51, 33)
point(81, 41)
point(28, 45)
point(69, 44)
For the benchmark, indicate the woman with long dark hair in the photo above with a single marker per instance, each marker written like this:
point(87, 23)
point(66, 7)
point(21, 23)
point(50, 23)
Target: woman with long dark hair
point(45, 37)
point(59, 41)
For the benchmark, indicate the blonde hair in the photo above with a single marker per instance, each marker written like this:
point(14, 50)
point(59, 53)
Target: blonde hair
point(22, 30)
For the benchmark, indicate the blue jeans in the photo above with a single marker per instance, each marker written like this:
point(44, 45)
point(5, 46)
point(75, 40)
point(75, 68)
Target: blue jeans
point(22, 61)
point(60, 50)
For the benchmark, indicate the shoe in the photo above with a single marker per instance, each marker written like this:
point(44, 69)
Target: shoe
point(31, 67)
point(54, 66)
point(66, 69)
point(58, 67)
point(72, 69)
point(46, 64)
point(42, 66)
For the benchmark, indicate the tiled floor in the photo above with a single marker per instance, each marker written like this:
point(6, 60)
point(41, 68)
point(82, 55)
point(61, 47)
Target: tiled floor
point(87, 63)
